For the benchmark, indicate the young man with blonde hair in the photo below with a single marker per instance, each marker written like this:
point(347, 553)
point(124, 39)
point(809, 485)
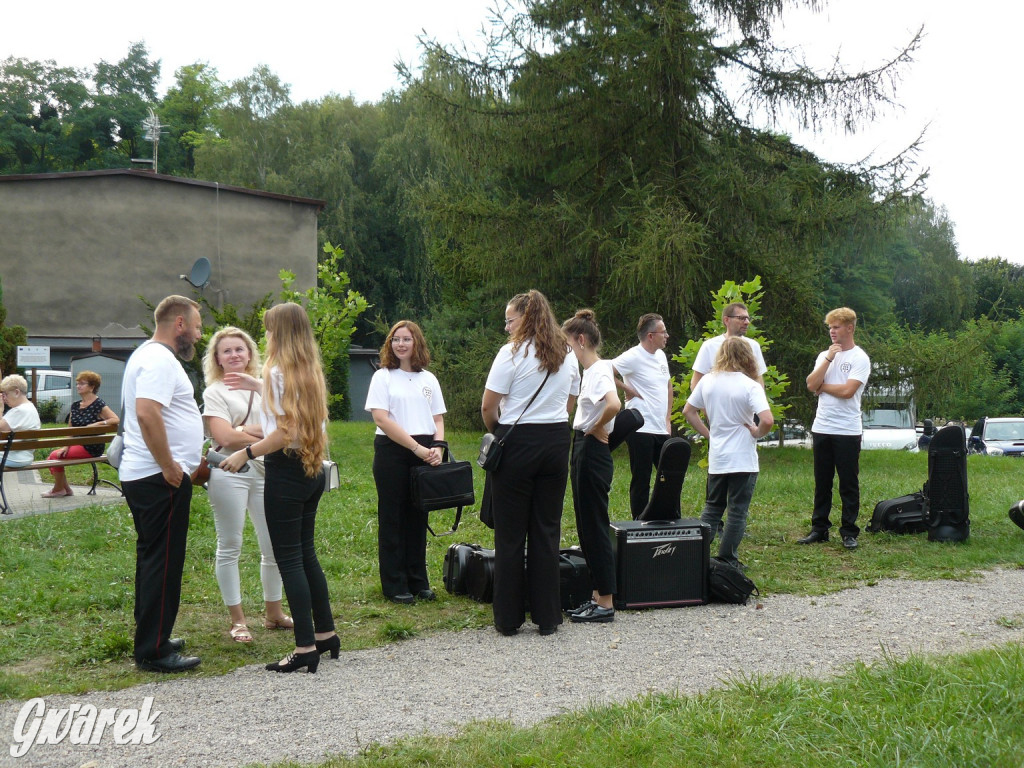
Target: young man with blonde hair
point(838, 379)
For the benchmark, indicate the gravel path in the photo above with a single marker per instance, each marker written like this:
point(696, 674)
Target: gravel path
point(440, 682)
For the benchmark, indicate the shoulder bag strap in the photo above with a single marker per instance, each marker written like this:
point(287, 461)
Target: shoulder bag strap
point(505, 436)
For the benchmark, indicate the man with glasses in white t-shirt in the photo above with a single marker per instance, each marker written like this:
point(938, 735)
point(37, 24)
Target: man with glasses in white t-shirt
point(736, 319)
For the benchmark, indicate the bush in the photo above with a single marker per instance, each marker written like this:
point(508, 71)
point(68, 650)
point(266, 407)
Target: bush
point(48, 410)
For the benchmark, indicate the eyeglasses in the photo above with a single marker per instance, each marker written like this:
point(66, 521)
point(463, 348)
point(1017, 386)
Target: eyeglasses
point(510, 320)
point(401, 339)
point(745, 318)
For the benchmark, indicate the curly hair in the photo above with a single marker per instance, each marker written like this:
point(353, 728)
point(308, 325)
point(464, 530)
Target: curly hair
point(584, 322)
point(420, 353)
point(91, 378)
point(292, 349)
point(735, 355)
point(539, 327)
point(212, 370)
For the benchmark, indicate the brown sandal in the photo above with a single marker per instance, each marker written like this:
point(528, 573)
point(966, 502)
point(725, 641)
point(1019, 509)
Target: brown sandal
point(282, 623)
point(240, 633)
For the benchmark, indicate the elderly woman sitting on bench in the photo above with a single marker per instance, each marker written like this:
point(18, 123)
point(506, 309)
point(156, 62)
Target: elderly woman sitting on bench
point(22, 415)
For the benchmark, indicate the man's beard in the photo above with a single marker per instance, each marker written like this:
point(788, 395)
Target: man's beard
point(184, 346)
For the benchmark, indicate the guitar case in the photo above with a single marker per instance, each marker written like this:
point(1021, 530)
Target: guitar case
point(948, 509)
point(668, 484)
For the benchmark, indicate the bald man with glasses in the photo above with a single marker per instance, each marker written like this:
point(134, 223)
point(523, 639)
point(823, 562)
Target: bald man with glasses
point(736, 319)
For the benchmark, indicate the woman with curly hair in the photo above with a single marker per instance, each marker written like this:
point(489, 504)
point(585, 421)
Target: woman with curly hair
point(530, 391)
point(294, 414)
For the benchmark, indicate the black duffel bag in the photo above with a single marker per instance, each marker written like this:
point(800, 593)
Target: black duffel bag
point(728, 584)
point(449, 485)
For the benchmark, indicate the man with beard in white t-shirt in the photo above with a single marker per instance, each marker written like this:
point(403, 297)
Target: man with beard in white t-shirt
point(163, 438)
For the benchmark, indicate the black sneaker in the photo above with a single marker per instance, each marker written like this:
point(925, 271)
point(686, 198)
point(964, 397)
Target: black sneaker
point(850, 542)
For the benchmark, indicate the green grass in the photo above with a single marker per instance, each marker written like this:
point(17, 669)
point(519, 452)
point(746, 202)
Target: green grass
point(964, 712)
point(66, 601)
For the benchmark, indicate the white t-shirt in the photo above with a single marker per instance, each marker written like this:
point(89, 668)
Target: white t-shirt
point(730, 399)
point(709, 351)
point(412, 399)
point(154, 373)
point(232, 405)
point(598, 382)
point(648, 374)
point(518, 377)
point(836, 415)
point(24, 416)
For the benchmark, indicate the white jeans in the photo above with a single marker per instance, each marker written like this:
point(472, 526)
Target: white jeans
point(230, 495)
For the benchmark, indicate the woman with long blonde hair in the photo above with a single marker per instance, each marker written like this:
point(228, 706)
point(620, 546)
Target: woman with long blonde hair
point(294, 413)
point(232, 421)
point(530, 391)
point(730, 396)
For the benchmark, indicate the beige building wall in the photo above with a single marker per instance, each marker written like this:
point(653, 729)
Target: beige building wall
point(78, 249)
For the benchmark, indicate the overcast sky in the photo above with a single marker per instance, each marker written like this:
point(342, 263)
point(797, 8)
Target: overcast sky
point(960, 87)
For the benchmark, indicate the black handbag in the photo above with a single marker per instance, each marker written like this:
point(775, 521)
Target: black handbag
point(449, 485)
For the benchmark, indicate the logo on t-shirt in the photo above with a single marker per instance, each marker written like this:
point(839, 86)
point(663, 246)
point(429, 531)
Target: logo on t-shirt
point(846, 368)
point(428, 393)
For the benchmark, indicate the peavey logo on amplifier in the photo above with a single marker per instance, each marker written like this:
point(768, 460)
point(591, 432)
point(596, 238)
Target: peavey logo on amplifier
point(664, 549)
point(660, 563)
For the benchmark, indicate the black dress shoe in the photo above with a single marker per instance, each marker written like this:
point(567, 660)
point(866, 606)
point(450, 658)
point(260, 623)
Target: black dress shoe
point(814, 537)
point(309, 661)
point(850, 542)
point(332, 644)
point(595, 614)
point(507, 631)
point(173, 662)
point(581, 608)
point(426, 594)
point(176, 644)
point(405, 598)
point(549, 630)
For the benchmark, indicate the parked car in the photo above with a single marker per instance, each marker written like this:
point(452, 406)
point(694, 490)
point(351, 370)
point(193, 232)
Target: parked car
point(997, 436)
point(794, 433)
point(58, 385)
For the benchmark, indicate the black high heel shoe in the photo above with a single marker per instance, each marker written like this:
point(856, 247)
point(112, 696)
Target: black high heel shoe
point(332, 644)
point(296, 661)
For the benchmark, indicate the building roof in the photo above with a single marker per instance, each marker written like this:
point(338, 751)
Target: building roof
point(149, 175)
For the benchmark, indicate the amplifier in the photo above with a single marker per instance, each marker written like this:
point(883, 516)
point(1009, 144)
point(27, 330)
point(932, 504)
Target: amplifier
point(661, 563)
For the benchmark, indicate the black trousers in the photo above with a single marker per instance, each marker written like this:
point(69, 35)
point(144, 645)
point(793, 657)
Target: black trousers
point(644, 452)
point(527, 493)
point(836, 454)
point(291, 501)
point(161, 513)
point(591, 474)
point(401, 527)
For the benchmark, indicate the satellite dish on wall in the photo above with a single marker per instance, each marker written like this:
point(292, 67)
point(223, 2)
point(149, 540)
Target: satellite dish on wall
point(200, 274)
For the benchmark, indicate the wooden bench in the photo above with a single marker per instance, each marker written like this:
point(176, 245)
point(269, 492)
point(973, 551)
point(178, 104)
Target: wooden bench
point(50, 440)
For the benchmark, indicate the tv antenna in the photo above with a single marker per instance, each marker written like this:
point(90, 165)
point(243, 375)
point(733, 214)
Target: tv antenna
point(153, 129)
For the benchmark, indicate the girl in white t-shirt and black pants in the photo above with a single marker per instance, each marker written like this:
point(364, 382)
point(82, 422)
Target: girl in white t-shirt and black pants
point(591, 468)
point(407, 407)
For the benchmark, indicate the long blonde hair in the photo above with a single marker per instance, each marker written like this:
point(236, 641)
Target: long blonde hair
point(292, 349)
point(735, 355)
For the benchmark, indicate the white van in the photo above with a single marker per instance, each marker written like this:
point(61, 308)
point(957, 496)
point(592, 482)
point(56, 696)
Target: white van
point(58, 385)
